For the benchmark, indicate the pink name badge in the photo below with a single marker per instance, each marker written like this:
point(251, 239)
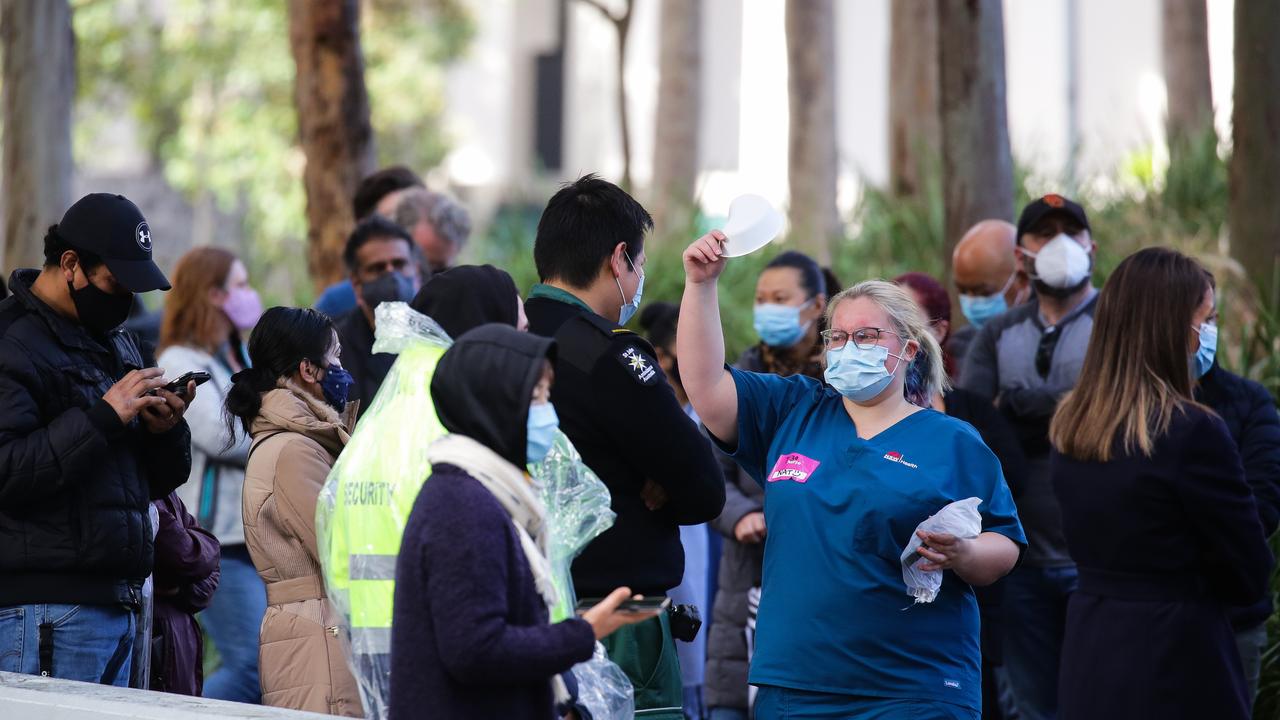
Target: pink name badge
point(795, 467)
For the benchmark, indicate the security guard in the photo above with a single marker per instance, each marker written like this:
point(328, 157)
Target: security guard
point(363, 509)
point(615, 405)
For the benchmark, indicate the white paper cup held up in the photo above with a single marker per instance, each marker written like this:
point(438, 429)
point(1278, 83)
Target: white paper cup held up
point(752, 224)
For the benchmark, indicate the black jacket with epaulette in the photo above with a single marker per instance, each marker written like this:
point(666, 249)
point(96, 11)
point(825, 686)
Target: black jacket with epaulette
point(615, 405)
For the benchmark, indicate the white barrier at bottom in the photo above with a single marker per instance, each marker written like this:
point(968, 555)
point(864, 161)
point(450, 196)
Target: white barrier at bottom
point(29, 697)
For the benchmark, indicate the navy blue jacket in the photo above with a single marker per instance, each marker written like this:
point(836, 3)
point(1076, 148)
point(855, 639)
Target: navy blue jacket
point(1249, 412)
point(75, 482)
point(1164, 545)
point(470, 635)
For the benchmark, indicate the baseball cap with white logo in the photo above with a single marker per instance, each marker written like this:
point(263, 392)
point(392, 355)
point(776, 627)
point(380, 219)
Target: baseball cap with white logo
point(112, 227)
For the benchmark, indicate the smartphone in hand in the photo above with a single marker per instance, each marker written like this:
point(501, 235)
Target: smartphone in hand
point(633, 605)
point(179, 386)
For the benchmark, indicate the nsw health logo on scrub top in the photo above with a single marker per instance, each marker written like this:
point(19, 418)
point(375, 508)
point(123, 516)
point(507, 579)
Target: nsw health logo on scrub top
point(896, 457)
point(793, 466)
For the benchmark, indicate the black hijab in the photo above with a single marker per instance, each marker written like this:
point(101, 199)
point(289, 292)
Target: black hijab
point(482, 386)
point(468, 296)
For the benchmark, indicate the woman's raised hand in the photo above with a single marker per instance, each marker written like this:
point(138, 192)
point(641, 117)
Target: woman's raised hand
point(703, 260)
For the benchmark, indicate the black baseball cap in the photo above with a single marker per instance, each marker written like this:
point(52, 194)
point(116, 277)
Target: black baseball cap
point(1047, 205)
point(113, 228)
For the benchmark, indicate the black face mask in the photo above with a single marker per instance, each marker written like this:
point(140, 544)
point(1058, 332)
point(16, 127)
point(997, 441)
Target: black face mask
point(100, 312)
point(388, 287)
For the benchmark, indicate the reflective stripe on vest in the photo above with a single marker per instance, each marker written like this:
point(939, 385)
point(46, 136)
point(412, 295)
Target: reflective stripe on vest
point(373, 567)
point(371, 641)
point(371, 510)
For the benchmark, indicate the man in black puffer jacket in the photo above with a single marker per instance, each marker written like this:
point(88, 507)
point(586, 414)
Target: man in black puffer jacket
point(1250, 414)
point(88, 437)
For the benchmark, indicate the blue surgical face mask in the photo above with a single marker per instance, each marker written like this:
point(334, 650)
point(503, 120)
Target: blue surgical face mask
point(1208, 348)
point(978, 309)
point(779, 325)
point(629, 308)
point(981, 308)
point(859, 374)
point(335, 385)
point(540, 431)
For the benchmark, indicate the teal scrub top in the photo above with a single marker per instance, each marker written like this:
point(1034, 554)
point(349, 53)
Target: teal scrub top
point(835, 616)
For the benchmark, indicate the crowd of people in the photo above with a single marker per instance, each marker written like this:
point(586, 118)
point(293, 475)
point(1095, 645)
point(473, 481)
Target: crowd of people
point(1125, 484)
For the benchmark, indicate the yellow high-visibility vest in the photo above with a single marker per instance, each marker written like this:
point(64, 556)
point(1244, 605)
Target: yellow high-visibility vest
point(369, 494)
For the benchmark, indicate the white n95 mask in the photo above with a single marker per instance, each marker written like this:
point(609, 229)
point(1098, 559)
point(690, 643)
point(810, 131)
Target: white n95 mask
point(1062, 263)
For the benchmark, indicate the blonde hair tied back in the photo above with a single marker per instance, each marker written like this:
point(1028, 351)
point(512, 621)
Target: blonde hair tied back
point(926, 375)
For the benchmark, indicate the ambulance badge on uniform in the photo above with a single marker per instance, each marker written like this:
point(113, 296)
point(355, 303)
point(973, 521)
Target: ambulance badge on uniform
point(640, 366)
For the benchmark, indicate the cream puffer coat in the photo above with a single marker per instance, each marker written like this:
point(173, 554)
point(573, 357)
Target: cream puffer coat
point(302, 663)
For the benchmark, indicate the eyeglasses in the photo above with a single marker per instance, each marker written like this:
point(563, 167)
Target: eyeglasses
point(863, 338)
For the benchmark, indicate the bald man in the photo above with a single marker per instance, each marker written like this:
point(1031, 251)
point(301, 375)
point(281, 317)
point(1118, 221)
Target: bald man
point(984, 267)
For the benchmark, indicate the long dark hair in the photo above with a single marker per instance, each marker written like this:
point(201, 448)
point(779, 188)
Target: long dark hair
point(283, 337)
point(1136, 375)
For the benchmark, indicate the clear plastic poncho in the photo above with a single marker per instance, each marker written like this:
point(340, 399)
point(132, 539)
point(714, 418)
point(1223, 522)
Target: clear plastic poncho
point(578, 509)
point(140, 668)
point(364, 506)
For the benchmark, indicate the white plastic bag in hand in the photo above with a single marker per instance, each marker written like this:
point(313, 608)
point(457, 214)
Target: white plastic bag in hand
point(959, 518)
point(603, 689)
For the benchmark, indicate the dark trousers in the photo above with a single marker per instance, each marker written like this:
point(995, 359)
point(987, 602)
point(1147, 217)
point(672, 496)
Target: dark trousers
point(1035, 601)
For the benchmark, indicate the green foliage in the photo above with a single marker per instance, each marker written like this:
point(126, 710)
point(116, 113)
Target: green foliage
point(1195, 185)
point(210, 85)
point(407, 42)
point(508, 244)
point(893, 235)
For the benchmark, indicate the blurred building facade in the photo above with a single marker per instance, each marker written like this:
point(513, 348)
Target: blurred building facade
point(534, 102)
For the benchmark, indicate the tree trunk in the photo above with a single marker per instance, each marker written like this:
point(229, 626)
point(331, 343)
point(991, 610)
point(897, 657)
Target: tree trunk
point(624, 125)
point(812, 149)
point(675, 149)
point(915, 137)
point(1185, 34)
point(39, 79)
point(333, 124)
point(1253, 213)
point(976, 163)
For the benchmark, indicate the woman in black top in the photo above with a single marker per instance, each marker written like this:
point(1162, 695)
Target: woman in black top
point(1155, 509)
